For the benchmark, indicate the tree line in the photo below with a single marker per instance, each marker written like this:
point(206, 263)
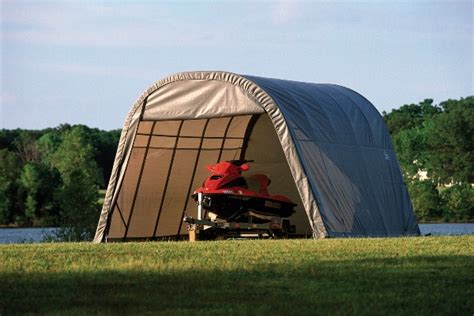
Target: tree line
point(52, 177)
point(435, 148)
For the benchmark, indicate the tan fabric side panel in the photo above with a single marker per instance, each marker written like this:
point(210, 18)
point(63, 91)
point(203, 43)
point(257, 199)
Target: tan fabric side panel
point(213, 143)
point(162, 142)
point(264, 147)
point(217, 126)
point(155, 171)
point(182, 169)
point(117, 225)
point(193, 128)
point(121, 158)
point(169, 128)
point(141, 141)
point(130, 181)
point(194, 99)
point(238, 126)
point(145, 128)
point(207, 157)
point(230, 154)
point(238, 86)
point(188, 162)
point(232, 143)
point(176, 191)
point(187, 143)
point(142, 223)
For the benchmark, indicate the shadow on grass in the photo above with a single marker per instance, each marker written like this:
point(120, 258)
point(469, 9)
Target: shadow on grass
point(419, 285)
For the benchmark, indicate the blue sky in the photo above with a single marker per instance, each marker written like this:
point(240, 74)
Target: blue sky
point(86, 62)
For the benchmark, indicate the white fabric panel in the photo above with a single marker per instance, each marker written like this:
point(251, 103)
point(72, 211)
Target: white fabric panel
point(196, 99)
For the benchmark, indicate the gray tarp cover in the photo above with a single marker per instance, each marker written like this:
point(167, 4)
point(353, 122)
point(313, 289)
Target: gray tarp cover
point(335, 142)
point(345, 149)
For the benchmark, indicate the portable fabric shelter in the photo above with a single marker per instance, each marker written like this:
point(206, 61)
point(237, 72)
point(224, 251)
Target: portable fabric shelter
point(323, 145)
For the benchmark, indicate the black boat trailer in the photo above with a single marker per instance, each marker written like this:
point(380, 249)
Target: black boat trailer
point(204, 229)
point(201, 228)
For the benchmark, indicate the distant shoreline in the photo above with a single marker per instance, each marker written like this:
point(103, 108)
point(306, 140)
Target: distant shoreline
point(20, 226)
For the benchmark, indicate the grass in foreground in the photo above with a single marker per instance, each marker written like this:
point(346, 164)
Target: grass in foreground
point(425, 275)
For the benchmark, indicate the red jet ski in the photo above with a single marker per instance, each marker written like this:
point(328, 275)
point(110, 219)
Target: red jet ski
point(233, 198)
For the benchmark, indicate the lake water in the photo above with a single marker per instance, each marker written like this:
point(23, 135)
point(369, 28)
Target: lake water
point(35, 235)
point(23, 235)
point(447, 229)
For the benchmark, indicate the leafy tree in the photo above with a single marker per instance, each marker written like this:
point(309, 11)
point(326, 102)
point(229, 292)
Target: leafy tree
point(79, 207)
point(48, 144)
point(410, 116)
point(409, 127)
point(105, 147)
point(9, 172)
point(425, 199)
point(78, 194)
point(450, 142)
point(44, 161)
point(438, 140)
point(458, 202)
point(30, 179)
point(410, 145)
point(26, 146)
point(7, 139)
point(105, 144)
point(40, 183)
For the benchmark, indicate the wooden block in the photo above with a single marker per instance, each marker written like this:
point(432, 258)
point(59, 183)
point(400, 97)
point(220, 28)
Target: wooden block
point(192, 235)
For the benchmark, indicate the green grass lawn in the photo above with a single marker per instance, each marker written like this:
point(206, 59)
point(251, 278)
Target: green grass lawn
point(411, 276)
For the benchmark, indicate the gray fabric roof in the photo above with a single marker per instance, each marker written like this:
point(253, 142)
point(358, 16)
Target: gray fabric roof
point(345, 149)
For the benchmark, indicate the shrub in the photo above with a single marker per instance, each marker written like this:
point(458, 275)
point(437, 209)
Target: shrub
point(425, 199)
point(458, 202)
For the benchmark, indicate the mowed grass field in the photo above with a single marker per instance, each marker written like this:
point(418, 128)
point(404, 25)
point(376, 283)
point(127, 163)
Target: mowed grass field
point(410, 276)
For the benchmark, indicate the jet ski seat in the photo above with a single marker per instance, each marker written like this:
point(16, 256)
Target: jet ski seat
point(258, 183)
